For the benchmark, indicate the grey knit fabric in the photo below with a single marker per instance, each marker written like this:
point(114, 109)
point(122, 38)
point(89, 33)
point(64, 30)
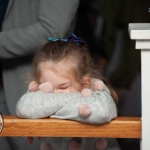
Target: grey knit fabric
point(86, 143)
point(65, 106)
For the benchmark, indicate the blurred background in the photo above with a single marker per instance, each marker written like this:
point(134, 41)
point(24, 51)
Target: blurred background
point(104, 25)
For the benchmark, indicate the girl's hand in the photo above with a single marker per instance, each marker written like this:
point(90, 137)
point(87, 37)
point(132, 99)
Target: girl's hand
point(30, 139)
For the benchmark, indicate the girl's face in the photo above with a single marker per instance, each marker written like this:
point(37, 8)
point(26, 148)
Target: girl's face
point(61, 83)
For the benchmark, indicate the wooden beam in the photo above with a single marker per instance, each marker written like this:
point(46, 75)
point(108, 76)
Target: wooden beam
point(121, 127)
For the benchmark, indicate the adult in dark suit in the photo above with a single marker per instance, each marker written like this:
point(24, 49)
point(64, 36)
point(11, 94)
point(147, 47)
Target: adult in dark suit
point(25, 28)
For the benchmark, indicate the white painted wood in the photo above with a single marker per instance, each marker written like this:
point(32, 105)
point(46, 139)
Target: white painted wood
point(145, 66)
point(139, 30)
point(141, 33)
point(142, 44)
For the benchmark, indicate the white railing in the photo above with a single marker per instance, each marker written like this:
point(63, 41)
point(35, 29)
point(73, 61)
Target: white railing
point(141, 33)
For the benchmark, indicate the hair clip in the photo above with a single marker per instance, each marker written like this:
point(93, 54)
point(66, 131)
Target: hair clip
point(72, 38)
point(57, 39)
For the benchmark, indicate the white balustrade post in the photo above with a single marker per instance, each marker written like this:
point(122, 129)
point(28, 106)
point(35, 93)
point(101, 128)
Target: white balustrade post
point(141, 33)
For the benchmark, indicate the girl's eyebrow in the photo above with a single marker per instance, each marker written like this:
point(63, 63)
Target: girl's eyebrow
point(64, 83)
point(61, 84)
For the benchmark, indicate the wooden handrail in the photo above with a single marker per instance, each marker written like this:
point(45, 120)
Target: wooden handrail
point(121, 127)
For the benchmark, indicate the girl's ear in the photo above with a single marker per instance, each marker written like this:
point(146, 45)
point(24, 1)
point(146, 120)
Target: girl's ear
point(86, 82)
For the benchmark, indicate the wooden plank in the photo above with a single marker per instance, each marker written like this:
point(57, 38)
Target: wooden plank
point(121, 127)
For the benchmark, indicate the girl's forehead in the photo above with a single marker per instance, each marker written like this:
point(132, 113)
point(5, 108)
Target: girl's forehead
point(66, 67)
point(60, 68)
point(55, 66)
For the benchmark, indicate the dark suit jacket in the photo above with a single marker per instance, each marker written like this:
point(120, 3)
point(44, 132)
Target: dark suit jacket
point(26, 27)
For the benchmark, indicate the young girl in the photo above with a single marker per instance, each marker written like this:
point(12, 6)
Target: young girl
point(67, 65)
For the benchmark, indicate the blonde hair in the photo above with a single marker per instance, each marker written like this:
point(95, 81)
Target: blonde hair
point(77, 58)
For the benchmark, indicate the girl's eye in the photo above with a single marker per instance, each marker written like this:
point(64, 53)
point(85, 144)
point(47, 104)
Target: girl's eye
point(63, 88)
